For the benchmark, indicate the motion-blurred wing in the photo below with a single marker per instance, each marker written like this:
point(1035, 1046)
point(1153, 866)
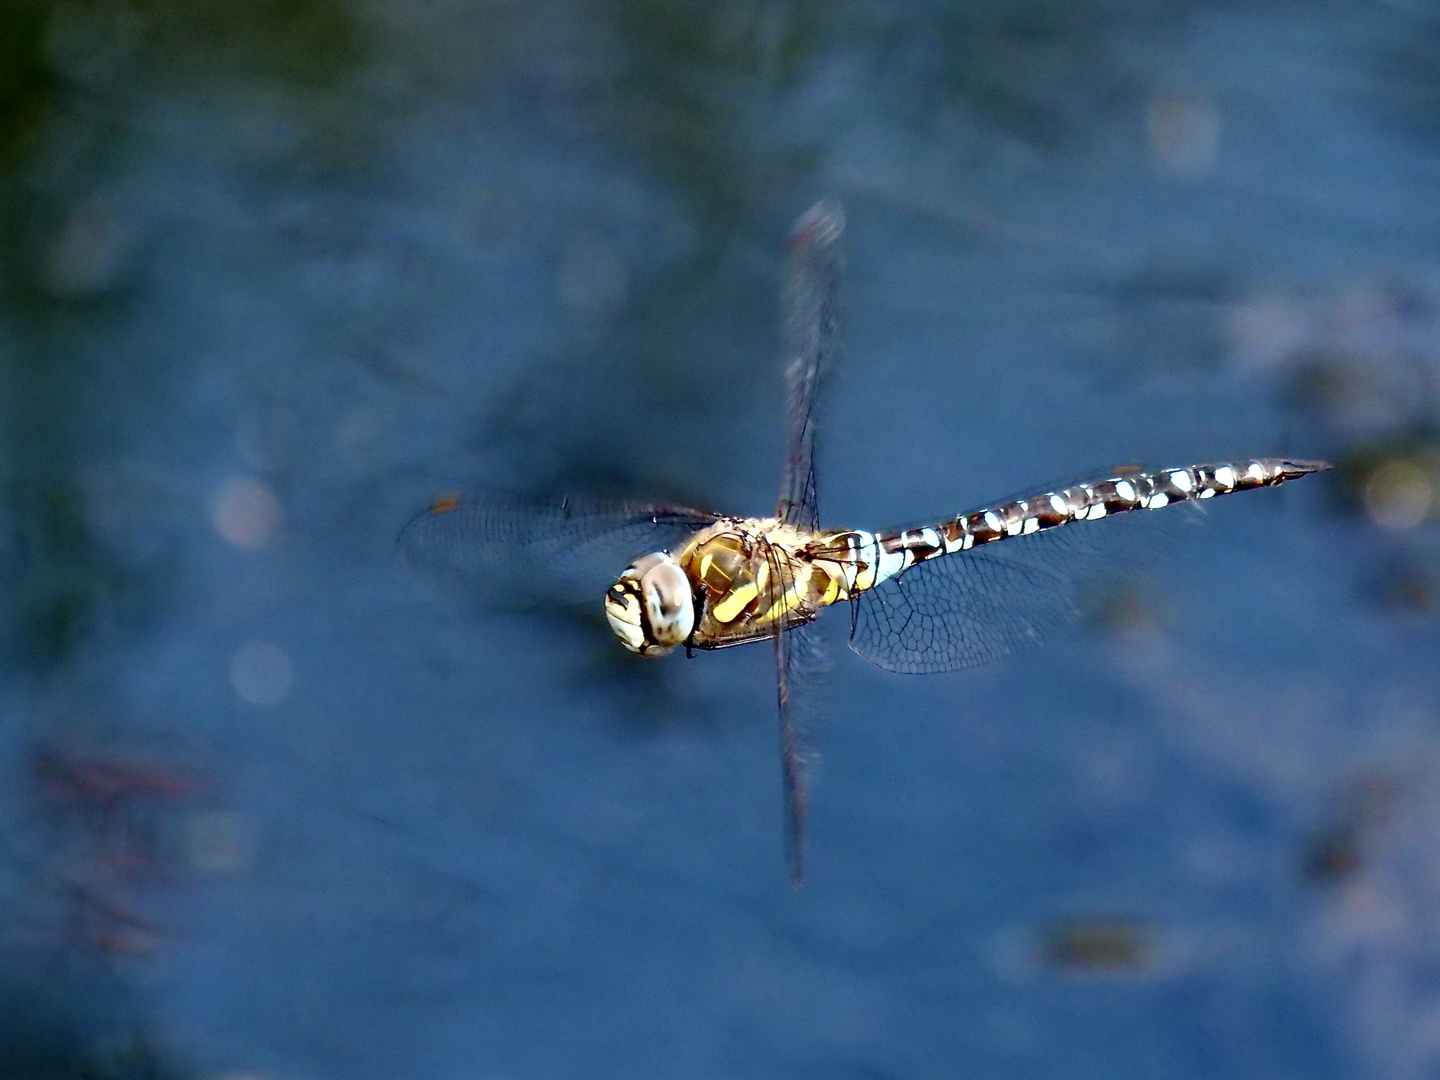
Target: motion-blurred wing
point(811, 344)
point(538, 551)
point(800, 663)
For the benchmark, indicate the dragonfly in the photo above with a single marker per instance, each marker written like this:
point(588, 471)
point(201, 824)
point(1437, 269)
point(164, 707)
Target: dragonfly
point(952, 594)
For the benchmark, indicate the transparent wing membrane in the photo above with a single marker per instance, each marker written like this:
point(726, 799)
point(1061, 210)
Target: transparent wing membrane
point(975, 607)
point(811, 343)
point(800, 665)
point(555, 550)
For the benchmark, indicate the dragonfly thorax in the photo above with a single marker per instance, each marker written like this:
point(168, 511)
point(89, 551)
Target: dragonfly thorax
point(754, 578)
point(650, 606)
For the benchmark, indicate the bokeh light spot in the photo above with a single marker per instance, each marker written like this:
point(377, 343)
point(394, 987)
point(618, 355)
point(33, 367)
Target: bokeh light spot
point(1400, 494)
point(247, 514)
point(261, 673)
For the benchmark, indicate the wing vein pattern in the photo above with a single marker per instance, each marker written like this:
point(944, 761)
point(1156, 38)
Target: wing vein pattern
point(557, 550)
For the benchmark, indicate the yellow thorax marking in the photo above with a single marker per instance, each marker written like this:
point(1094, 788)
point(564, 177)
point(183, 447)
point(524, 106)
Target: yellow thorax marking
point(736, 600)
point(832, 582)
point(786, 602)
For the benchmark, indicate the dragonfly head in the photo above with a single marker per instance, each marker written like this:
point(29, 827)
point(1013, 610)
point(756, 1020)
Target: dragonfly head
point(650, 607)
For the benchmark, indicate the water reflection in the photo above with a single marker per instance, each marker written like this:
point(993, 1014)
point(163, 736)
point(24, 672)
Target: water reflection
point(274, 273)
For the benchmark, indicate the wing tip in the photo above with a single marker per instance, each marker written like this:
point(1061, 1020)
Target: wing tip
point(411, 539)
point(818, 227)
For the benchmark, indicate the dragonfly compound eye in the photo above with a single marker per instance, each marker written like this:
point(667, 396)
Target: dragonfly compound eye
point(650, 607)
point(669, 605)
point(622, 610)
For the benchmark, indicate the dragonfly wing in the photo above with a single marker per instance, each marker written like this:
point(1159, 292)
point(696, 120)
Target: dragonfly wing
point(973, 607)
point(539, 550)
point(811, 346)
point(800, 664)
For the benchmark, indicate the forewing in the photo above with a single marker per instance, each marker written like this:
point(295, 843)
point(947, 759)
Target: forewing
point(539, 551)
point(972, 607)
point(811, 344)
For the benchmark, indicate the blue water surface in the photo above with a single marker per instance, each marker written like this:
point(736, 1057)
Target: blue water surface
point(274, 279)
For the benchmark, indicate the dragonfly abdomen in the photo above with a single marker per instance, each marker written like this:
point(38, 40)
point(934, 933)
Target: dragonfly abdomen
point(871, 558)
